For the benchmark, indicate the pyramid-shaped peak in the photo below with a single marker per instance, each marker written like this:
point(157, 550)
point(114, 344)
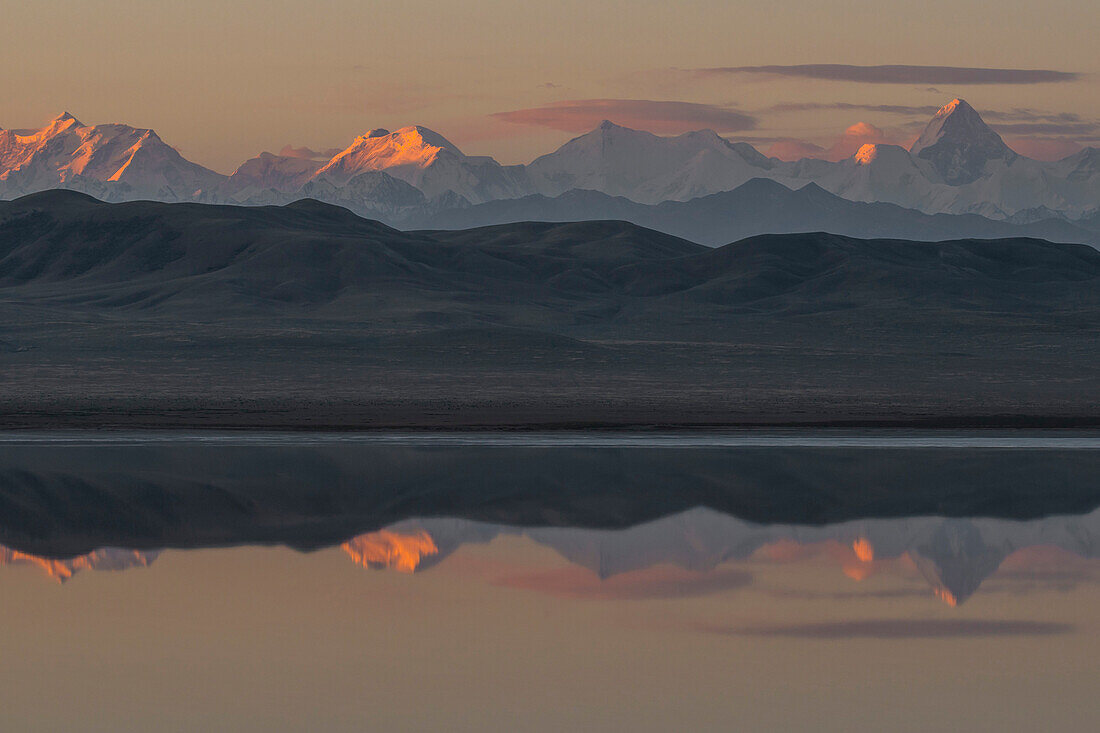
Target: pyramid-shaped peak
point(956, 104)
point(607, 127)
point(64, 120)
point(959, 144)
point(957, 122)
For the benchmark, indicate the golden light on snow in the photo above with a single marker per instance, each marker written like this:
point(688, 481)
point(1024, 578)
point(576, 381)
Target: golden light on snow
point(392, 550)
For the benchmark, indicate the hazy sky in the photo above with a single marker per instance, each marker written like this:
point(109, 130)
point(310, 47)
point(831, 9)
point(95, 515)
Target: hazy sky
point(224, 80)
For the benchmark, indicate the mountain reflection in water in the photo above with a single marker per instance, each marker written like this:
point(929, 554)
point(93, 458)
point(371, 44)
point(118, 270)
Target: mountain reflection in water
point(954, 556)
point(61, 570)
point(533, 583)
point(950, 510)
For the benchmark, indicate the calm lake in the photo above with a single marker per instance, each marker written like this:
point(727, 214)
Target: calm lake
point(789, 581)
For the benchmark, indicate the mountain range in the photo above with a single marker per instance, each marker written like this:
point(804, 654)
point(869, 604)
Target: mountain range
point(315, 257)
point(415, 178)
point(760, 206)
point(954, 555)
point(613, 507)
point(312, 313)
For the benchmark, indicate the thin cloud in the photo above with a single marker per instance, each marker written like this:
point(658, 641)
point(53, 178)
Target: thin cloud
point(899, 74)
point(1045, 148)
point(892, 109)
point(1047, 128)
point(1034, 133)
point(581, 115)
point(1029, 115)
point(1017, 115)
point(849, 595)
point(894, 629)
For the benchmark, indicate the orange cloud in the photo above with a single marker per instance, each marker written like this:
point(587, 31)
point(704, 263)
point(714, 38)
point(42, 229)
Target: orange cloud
point(845, 146)
point(385, 549)
point(854, 138)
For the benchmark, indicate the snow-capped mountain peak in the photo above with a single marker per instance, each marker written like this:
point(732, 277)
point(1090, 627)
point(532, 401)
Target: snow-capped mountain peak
point(379, 149)
point(427, 160)
point(1082, 165)
point(112, 162)
point(866, 154)
point(959, 144)
point(958, 165)
point(647, 168)
point(882, 154)
point(62, 122)
point(265, 178)
point(955, 122)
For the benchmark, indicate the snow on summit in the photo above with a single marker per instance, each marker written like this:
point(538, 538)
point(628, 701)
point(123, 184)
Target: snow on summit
point(958, 165)
point(427, 160)
point(108, 161)
point(959, 144)
point(414, 146)
point(648, 168)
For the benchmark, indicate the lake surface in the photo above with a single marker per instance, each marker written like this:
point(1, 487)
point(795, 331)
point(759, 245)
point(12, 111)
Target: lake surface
point(824, 580)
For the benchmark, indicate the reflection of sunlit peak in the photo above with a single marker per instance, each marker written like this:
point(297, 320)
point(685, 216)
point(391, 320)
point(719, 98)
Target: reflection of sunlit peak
point(393, 550)
point(862, 567)
point(950, 107)
point(62, 570)
point(864, 550)
point(857, 571)
point(946, 596)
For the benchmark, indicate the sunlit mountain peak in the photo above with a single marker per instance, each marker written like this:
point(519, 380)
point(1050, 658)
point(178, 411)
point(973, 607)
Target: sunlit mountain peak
point(380, 149)
point(946, 596)
point(864, 550)
point(392, 550)
point(61, 570)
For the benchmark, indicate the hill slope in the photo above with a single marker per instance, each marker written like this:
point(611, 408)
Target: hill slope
point(760, 206)
point(309, 315)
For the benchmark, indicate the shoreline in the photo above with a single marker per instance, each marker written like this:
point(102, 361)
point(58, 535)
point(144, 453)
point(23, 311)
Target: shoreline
point(271, 422)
